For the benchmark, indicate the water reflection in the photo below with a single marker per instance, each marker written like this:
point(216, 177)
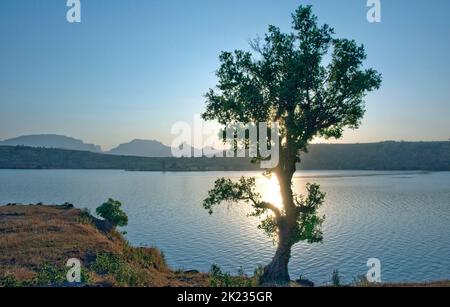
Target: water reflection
point(270, 190)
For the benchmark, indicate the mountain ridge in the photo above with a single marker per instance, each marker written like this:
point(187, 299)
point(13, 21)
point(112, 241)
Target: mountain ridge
point(51, 141)
point(142, 148)
point(135, 148)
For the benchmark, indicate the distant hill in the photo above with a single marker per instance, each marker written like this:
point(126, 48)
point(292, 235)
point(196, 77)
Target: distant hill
point(42, 158)
point(51, 141)
point(425, 156)
point(135, 148)
point(432, 156)
point(142, 148)
point(149, 149)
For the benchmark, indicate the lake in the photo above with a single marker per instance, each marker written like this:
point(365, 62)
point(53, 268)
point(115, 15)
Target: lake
point(401, 218)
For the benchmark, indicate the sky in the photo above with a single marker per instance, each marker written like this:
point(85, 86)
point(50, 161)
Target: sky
point(133, 68)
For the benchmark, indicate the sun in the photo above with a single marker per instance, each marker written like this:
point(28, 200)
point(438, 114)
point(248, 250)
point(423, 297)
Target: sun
point(270, 190)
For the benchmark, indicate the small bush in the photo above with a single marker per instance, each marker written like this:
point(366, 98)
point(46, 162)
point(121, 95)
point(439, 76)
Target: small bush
point(111, 211)
point(123, 273)
point(47, 276)
point(335, 279)
point(257, 274)
point(85, 217)
point(145, 257)
point(50, 275)
point(221, 279)
point(107, 264)
point(66, 206)
point(10, 281)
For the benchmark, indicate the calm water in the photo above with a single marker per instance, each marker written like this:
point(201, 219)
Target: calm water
point(401, 218)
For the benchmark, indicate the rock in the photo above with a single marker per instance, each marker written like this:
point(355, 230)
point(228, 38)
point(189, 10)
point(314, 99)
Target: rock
point(191, 272)
point(66, 206)
point(305, 283)
point(103, 225)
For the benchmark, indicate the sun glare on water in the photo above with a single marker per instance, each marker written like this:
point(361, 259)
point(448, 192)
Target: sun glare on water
point(270, 190)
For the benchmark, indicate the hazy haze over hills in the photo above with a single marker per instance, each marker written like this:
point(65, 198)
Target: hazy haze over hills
point(51, 141)
point(142, 148)
point(139, 148)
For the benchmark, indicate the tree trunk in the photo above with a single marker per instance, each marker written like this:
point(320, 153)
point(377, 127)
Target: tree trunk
point(276, 273)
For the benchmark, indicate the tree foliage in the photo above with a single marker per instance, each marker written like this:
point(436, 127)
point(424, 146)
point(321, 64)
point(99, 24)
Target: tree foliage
point(288, 83)
point(112, 212)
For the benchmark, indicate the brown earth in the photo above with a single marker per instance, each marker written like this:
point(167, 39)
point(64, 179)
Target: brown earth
point(37, 237)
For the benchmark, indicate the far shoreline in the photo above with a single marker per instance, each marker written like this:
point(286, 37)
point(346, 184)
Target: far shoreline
point(387, 156)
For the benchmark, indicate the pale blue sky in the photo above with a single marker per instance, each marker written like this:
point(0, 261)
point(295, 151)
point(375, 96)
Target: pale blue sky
point(134, 67)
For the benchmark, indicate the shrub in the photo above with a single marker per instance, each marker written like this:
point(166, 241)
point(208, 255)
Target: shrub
point(47, 276)
point(85, 217)
point(111, 211)
point(221, 279)
point(145, 257)
point(335, 279)
point(123, 273)
point(50, 275)
point(10, 281)
point(66, 206)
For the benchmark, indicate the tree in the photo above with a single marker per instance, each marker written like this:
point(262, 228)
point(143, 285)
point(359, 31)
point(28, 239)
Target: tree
point(111, 211)
point(286, 81)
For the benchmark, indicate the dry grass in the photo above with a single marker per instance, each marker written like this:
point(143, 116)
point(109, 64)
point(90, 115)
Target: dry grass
point(32, 237)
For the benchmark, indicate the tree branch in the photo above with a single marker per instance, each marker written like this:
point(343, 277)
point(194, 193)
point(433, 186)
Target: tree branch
point(269, 206)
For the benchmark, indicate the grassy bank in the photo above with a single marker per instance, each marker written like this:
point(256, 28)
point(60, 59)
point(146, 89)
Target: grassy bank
point(36, 242)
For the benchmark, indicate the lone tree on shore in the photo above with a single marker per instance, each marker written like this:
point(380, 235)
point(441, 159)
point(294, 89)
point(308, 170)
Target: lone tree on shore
point(287, 82)
point(112, 212)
